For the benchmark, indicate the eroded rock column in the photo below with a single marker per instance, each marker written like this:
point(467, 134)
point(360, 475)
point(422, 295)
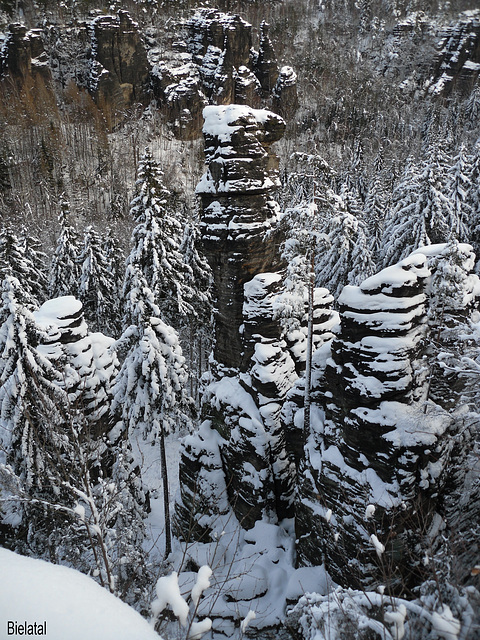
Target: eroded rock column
point(237, 462)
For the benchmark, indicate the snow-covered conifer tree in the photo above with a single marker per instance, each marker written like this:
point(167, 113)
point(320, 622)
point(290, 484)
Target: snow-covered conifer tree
point(473, 201)
point(472, 106)
point(342, 254)
point(459, 180)
point(374, 214)
point(148, 391)
point(199, 279)
point(116, 265)
point(35, 279)
point(405, 225)
point(64, 268)
point(20, 258)
point(97, 287)
point(156, 243)
point(31, 405)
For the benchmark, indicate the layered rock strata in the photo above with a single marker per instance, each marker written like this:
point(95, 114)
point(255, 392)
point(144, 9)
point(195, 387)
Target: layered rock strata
point(237, 462)
point(218, 65)
point(24, 68)
point(377, 467)
point(238, 209)
point(120, 71)
point(86, 361)
point(457, 65)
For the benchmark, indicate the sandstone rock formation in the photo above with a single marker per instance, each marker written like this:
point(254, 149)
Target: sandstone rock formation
point(238, 209)
point(24, 69)
point(87, 364)
point(217, 65)
point(376, 470)
point(457, 65)
point(237, 462)
point(120, 68)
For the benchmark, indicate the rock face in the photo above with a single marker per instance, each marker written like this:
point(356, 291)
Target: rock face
point(238, 209)
point(88, 365)
point(217, 65)
point(120, 68)
point(237, 462)
point(24, 65)
point(457, 66)
point(378, 467)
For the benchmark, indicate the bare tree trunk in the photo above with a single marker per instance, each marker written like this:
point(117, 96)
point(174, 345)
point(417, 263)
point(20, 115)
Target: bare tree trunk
point(308, 368)
point(166, 497)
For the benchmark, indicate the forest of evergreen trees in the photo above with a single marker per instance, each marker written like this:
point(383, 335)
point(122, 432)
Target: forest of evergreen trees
point(107, 321)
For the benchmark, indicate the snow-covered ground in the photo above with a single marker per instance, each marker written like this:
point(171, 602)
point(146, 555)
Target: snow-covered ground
point(70, 604)
point(252, 571)
point(147, 456)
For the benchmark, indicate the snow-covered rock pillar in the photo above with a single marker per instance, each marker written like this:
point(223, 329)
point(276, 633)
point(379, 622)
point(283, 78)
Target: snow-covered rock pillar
point(238, 210)
point(370, 490)
point(238, 459)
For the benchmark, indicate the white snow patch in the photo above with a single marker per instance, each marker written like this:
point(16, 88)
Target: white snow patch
point(168, 593)
point(379, 547)
point(445, 624)
point(73, 605)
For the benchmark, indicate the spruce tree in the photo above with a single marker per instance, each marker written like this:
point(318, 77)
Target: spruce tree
point(199, 280)
point(35, 279)
point(31, 410)
point(342, 254)
point(459, 181)
point(115, 257)
point(374, 214)
point(406, 225)
point(156, 244)
point(473, 201)
point(64, 268)
point(97, 287)
point(148, 391)
point(20, 258)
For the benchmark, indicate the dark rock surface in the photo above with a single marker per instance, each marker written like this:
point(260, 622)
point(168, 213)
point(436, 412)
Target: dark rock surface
point(457, 65)
point(238, 209)
point(218, 65)
point(252, 369)
point(120, 71)
point(378, 470)
point(24, 69)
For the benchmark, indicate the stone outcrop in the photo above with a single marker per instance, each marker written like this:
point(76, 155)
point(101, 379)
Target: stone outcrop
point(120, 69)
point(245, 467)
point(238, 209)
point(85, 359)
point(377, 468)
point(218, 65)
point(24, 67)
point(457, 65)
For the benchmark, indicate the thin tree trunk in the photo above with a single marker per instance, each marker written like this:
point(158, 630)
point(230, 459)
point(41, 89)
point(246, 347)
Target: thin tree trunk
point(308, 368)
point(166, 497)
